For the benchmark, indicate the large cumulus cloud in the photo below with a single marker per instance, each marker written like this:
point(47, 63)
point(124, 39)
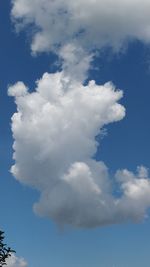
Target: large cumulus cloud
point(54, 130)
point(55, 126)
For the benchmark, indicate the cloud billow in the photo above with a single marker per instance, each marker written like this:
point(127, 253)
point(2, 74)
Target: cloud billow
point(87, 23)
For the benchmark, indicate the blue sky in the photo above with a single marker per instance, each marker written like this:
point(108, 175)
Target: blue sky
point(126, 145)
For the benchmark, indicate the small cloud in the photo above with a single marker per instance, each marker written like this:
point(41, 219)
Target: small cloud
point(15, 261)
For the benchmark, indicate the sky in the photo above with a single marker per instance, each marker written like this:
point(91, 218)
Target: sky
point(76, 193)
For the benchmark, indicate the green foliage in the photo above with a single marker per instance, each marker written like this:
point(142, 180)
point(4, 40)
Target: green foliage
point(5, 251)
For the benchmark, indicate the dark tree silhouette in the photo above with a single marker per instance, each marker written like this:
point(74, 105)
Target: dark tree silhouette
point(5, 251)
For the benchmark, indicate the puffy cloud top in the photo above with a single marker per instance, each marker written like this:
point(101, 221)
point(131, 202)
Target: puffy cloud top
point(18, 90)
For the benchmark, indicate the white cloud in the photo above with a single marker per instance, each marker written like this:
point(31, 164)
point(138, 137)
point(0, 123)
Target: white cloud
point(86, 23)
point(54, 131)
point(14, 261)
